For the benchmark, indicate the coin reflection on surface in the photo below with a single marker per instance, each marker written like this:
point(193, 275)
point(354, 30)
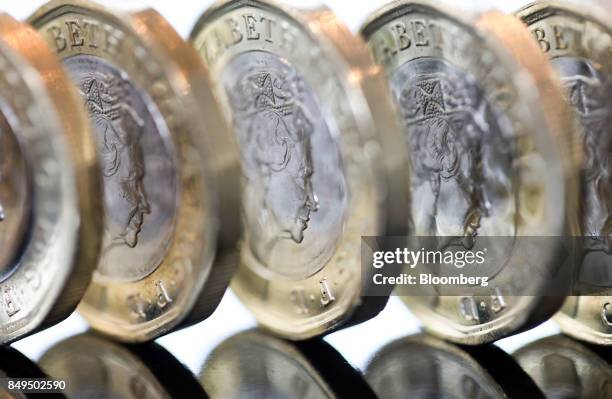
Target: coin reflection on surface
point(256, 365)
point(95, 367)
point(565, 368)
point(422, 366)
point(15, 365)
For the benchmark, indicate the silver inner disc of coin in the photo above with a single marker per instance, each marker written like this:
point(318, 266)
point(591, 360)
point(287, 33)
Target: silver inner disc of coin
point(15, 199)
point(463, 184)
point(588, 91)
point(138, 168)
point(295, 189)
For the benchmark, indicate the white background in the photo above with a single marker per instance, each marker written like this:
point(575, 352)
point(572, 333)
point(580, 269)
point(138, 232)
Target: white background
point(191, 345)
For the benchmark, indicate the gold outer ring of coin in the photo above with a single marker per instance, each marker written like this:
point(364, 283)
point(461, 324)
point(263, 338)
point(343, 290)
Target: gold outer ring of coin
point(586, 317)
point(56, 263)
point(189, 282)
point(510, 43)
point(339, 68)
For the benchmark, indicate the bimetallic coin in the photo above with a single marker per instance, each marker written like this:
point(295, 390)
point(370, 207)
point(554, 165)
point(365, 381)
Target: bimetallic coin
point(579, 43)
point(564, 368)
point(423, 366)
point(15, 198)
point(94, 367)
point(491, 158)
point(164, 148)
point(50, 213)
point(254, 364)
point(321, 155)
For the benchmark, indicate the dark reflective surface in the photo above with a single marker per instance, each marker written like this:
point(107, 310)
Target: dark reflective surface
point(421, 366)
point(95, 367)
point(15, 365)
point(250, 364)
point(254, 364)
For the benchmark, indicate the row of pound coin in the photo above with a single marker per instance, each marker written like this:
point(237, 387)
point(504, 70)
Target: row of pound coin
point(50, 215)
point(491, 156)
point(320, 169)
point(163, 148)
point(578, 41)
point(322, 156)
point(148, 99)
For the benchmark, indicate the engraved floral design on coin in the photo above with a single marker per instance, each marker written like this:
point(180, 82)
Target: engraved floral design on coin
point(478, 155)
point(579, 44)
point(166, 218)
point(314, 174)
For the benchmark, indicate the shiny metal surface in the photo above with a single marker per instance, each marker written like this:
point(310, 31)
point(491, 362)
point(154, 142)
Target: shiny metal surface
point(464, 184)
point(588, 89)
point(229, 358)
point(95, 367)
point(422, 366)
point(262, 366)
point(578, 41)
point(284, 139)
point(322, 157)
point(427, 367)
point(138, 167)
point(50, 188)
point(484, 172)
point(169, 166)
point(252, 364)
point(15, 199)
